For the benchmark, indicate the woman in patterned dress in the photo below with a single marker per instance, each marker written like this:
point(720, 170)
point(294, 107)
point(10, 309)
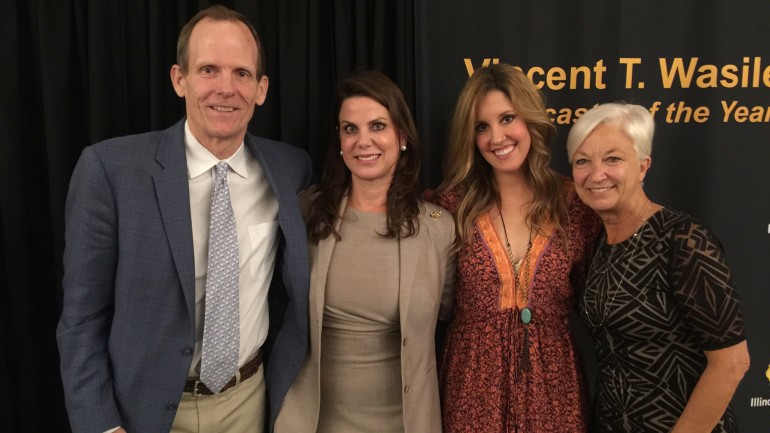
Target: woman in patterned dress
point(659, 300)
point(525, 240)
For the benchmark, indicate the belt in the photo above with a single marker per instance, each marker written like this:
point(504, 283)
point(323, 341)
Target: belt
point(197, 387)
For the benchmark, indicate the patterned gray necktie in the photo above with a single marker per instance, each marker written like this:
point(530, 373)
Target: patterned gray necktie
point(221, 337)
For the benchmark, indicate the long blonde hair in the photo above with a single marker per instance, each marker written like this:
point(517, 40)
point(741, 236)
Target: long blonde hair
point(466, 170)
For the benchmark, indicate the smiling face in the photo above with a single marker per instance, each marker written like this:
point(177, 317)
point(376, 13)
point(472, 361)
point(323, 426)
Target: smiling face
point(369, 140)
point(502, 136)
point(220, 87)
point(607, 171)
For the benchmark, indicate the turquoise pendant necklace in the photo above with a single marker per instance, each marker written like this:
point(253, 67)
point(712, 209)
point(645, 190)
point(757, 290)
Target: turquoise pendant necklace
point(522, 284)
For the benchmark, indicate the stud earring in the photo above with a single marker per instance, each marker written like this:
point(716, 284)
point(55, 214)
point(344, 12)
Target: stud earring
point(340, 152)
point(403, 148)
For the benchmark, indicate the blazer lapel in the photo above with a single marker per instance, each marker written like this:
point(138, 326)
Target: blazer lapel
point(409, 250)
point(320, 267)
point(173, 193)
point(289, 216)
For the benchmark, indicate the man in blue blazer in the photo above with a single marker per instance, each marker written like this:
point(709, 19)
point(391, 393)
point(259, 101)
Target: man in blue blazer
point(136, 255)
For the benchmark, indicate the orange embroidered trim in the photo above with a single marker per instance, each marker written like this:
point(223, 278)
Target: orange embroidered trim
point(509, 298)
point(502, 263)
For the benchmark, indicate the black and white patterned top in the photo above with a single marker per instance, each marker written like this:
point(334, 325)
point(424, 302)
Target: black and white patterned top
point(653, 304)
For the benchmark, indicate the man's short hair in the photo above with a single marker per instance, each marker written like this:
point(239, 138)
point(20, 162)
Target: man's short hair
point(216, 13)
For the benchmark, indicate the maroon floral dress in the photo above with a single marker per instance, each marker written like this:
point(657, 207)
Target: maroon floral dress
point(497, 373)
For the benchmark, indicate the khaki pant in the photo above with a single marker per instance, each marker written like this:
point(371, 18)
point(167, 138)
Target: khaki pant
point(240, 409)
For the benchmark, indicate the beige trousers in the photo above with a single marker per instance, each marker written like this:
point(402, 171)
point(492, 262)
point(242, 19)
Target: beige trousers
point(240, 409)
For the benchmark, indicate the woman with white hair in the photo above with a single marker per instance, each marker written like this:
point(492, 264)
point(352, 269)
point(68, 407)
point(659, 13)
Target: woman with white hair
point(659, 301)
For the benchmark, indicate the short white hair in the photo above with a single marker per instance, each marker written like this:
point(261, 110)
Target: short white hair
point(634, 121)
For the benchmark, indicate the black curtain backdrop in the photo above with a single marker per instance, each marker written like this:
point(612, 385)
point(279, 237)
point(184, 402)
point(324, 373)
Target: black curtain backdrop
point(84, 71)
point(714, 167)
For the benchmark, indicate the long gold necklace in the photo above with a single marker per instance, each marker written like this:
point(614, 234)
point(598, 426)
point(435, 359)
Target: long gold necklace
point(522, 284)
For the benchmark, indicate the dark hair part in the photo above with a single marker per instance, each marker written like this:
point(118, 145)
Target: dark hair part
point(216, 13)
point(466, 170)
point(404, 199)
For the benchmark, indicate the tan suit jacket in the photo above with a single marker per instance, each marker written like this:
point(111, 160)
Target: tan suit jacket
point(426, 294)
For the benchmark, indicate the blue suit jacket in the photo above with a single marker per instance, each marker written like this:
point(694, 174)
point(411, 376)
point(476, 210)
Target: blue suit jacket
point(127, 331)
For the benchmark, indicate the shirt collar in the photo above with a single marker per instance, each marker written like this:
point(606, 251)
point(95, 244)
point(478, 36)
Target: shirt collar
point(200, 160)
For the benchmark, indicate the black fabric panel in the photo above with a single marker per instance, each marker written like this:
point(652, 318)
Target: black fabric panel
point(83, 71)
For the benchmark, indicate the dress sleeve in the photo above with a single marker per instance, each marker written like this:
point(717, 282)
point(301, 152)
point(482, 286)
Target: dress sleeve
point(703, 287)
point(448, 199)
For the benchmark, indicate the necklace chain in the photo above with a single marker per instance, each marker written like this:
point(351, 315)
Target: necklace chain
point(521, 283)
point(611, 264)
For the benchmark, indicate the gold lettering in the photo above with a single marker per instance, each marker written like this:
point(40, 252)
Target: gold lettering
point(708, 77)
point(677, 70)
point(729, 76)
point(565, 116)
point(555, 78)
point(469, 65)
point(741, 114)
point(575, 72)
point(745, 74)
point(766, 77)
point(756, 115)
point(727, 110)
point(536, 70)
point(599, 70)
point(630, 62)
point(757, 67)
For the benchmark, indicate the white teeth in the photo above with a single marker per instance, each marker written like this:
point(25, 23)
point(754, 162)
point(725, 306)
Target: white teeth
point(368, 158)
point(600, 189)
point(504, 151)
point(226, 109)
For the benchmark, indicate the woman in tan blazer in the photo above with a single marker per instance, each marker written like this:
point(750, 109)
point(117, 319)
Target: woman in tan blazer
point(382, 275)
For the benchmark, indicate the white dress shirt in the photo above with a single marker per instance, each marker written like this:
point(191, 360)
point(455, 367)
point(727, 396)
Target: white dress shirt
point(256, 220)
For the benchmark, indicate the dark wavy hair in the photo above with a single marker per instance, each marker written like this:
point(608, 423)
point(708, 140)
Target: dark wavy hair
point(404, 199)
